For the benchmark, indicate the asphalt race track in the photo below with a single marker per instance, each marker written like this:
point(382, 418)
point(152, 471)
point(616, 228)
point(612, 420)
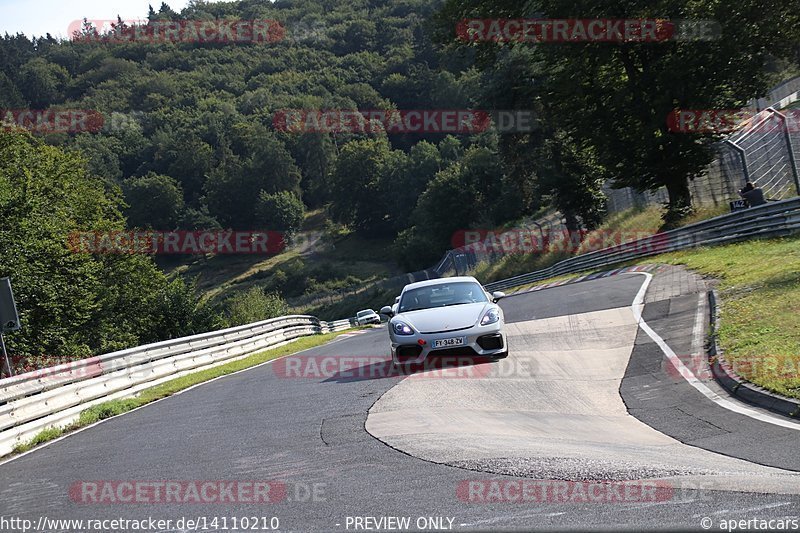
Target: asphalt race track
point(584, 400)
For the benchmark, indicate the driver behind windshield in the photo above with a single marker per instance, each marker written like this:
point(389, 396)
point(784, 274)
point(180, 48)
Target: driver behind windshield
point(462, 293)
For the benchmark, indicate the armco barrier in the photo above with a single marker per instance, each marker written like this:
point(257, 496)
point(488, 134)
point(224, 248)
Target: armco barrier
point(55, 396)
point(773, 219)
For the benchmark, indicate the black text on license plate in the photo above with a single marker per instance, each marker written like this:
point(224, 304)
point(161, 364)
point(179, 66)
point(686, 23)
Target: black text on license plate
point(447, 343)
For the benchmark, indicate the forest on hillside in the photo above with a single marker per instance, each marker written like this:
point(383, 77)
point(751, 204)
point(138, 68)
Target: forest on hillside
point(189, 140)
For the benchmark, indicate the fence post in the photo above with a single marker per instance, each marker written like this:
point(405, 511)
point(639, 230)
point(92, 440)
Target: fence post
point(742, 157)
point(792, 160)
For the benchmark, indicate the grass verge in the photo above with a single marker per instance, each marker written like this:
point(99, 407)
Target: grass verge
point(113, 408)
point(759, 289)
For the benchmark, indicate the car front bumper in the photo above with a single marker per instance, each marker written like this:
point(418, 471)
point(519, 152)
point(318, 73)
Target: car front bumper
point(486, 341)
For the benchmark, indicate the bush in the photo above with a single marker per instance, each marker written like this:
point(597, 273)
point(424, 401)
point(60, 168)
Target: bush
point(155, 202)
point(282, 211)
point(255, 305)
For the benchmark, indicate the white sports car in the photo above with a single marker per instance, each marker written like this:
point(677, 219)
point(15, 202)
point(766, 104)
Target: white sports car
point(449, 316)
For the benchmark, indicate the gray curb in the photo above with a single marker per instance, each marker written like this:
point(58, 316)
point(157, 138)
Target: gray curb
point(736, 385)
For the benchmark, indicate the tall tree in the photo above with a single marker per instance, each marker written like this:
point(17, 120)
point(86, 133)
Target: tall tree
point(356, 186)
point(74, 303)
point(155, 201)
point(616, 97)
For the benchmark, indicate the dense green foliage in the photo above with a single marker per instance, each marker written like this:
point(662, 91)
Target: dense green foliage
point(282, 211)
point(189, 134)
point(76, 304)
point(607, 104)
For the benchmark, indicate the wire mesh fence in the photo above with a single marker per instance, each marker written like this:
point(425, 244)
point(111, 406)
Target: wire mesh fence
point(765, 151)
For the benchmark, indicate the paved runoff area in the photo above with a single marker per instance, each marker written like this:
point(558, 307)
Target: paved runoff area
point(553, 410)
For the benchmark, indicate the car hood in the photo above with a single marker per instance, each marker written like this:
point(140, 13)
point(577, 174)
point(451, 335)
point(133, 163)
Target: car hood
point(450, 318)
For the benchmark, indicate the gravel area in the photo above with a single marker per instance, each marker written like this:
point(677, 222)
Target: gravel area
point(573, 469)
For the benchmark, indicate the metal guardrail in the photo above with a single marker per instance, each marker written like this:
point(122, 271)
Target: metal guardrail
point(338, 325)
point(32, 402)
point(773, 219)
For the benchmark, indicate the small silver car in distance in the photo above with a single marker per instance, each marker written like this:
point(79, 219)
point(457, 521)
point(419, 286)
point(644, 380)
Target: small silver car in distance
point(446, 317)
point(367, 316)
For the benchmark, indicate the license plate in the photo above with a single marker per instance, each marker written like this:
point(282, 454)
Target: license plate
point(447, 343)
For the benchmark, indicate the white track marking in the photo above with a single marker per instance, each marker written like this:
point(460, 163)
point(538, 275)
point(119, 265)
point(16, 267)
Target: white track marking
point(503, 518)
point(752, 509)
point(684, 371)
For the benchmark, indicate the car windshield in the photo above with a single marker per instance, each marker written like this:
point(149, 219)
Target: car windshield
point(364, 313)
point(459, 293)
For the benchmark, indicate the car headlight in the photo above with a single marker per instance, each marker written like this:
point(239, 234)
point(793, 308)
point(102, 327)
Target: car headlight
point(491, 316)
point(401, 328)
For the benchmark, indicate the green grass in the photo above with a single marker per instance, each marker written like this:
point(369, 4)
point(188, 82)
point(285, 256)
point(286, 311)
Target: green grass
point(113, 408)
point(759, 288)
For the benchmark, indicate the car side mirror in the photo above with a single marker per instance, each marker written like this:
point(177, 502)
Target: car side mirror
point(386, 310)
point(498, 296)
